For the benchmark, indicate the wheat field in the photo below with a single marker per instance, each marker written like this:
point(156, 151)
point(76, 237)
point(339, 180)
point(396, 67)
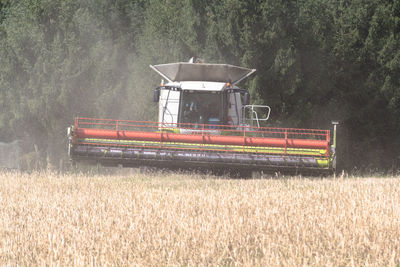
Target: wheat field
point(179, 219)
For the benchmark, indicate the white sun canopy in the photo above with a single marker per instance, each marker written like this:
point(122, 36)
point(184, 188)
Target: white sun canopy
point(183, 71)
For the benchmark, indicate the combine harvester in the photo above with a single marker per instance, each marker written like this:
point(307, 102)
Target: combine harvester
point(205, 122)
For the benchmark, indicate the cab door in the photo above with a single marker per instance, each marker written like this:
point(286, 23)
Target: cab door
point(234, 108)
point(169, 107)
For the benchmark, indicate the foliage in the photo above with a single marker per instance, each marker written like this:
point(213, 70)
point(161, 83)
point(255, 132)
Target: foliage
point(315, 60)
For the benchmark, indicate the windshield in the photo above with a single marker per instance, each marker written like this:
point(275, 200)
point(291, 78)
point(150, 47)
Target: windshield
point(201, 108)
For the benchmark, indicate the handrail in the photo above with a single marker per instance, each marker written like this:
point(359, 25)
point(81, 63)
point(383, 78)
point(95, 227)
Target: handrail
point(80, 121)
point(253, 113)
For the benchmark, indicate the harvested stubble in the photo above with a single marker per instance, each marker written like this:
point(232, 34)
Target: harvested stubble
point(176, 219)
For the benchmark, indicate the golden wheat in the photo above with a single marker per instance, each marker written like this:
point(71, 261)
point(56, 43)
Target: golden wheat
point(178, 219)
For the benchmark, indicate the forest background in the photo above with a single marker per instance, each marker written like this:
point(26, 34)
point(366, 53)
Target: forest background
point(316, 61)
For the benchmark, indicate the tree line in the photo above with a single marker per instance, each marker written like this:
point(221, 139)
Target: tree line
point(316, 61)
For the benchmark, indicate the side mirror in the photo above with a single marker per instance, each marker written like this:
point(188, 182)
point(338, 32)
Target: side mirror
point(156, 95)
point(246, 99)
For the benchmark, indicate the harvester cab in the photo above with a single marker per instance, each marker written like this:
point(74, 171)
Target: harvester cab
point(206, 94)
point(205, 121)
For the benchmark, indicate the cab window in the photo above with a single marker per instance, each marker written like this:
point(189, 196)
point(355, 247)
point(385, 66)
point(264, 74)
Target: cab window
point(201, 108)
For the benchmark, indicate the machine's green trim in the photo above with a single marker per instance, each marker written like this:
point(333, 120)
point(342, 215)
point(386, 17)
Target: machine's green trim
point(323, 163)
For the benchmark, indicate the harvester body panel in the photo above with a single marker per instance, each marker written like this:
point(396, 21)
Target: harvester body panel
point(183, 71)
